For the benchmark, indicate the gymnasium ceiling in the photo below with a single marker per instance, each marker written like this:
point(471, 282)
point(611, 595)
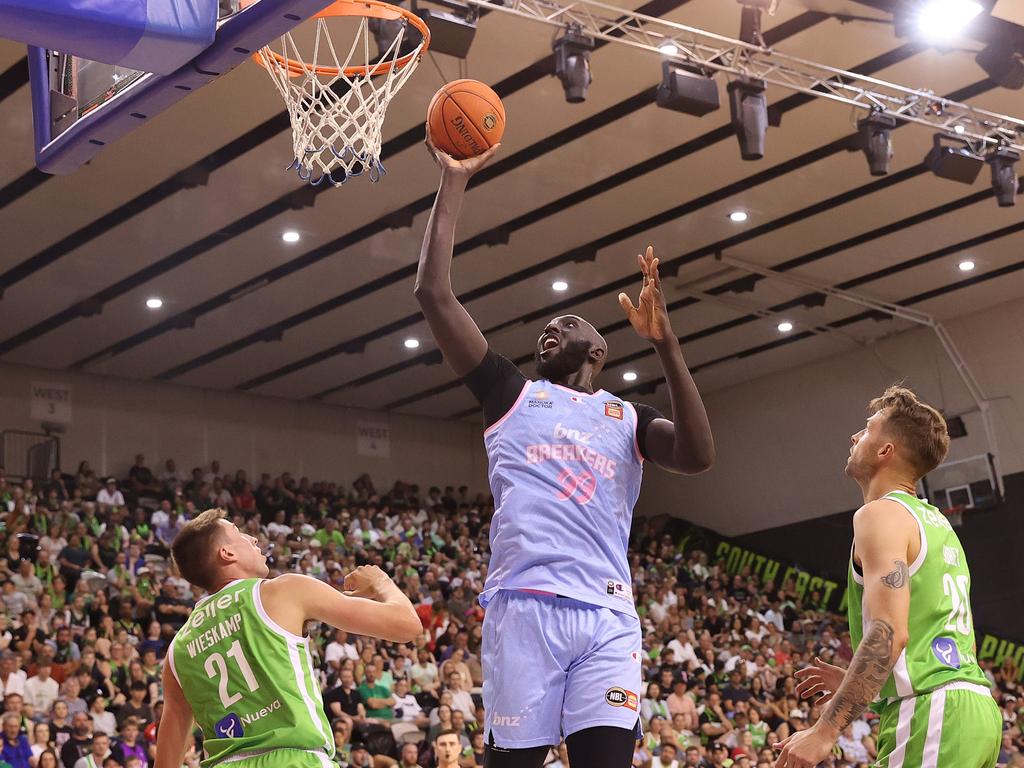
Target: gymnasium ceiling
point(575, 193)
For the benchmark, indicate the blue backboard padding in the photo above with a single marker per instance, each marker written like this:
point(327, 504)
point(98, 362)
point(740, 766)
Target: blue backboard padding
point(236, 40)
point(150, 35)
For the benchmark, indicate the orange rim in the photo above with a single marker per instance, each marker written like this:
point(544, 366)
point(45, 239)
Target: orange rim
point(377, 9)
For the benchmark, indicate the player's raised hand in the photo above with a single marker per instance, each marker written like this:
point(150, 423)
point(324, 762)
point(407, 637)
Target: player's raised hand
point(650, 318)
point(464, 168)
point(366, 581)
point(820, 677)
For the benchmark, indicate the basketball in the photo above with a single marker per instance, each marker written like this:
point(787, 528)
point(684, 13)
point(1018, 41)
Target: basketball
point(465, 118)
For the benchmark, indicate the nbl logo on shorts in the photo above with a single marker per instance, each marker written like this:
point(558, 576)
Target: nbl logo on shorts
point(620, 697)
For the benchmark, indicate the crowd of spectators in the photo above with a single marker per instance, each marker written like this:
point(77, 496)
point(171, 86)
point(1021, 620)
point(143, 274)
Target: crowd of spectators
point(91, 603)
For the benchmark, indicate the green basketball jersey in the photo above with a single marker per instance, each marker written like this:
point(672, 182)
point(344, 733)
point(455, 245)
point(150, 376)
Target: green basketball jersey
point(940, 648)
point(250, 683)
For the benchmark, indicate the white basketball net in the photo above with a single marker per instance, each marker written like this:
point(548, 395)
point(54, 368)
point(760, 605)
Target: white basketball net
point(337, 118)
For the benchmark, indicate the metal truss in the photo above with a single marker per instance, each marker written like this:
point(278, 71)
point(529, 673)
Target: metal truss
point(978, 128)
point(957, 359)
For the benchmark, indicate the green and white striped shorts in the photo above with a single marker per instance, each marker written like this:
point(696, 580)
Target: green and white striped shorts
point(955, 726)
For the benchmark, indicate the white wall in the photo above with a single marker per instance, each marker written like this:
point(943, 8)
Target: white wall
point(783, 440)
point(114, 419)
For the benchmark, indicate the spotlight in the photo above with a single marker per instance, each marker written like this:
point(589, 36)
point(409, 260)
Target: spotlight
point(876, 141)
point(560, 286)
point(291, 236)
point(1003, 64)
point(687, 88)
point(154, 302)
point(572, 63)
point(629, 376)
point(749, 107)
point(450, 32)
point(942, 20)
point(966, 266)
point(785, 326)
point(750, 21)
point(1003, 163)
point(412, 343)
point(959, 130)
point(738, 216)
point(956, 162)
point(669, 49)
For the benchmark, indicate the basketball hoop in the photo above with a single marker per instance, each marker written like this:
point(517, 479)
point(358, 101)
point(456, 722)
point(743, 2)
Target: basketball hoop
point(336, 104)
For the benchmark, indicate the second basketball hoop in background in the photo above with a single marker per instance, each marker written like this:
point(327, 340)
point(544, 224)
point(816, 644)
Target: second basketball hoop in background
point(465, 118)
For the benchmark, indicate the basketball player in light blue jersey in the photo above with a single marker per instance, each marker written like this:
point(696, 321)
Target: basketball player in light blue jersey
point(561, 644)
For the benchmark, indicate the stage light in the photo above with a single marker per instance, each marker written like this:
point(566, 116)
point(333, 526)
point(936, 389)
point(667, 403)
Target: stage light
point(950, 159)
point(738, 216)
point(876, 141)
point(688, 89)
point(154, 302)
point(669, 49)
point(959, 130)
point(291, 236)
point(412, 343)
point(749, 108)
point(629, 376)
point(1003, 163)
point(450, 32)
point(943, 20)
point(1003, 64)
point(966, 266)
point(785, 326)
point(560, 286)
point(572, 63)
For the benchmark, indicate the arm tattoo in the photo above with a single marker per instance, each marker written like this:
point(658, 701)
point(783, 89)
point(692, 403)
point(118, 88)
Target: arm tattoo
point(897, 579)
point(868, 672)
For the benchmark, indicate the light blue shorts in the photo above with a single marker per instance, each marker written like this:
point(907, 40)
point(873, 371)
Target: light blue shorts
point(554, 666)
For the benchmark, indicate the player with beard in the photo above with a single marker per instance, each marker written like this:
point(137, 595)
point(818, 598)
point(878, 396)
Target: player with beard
point(561, 644)
point(909, 609)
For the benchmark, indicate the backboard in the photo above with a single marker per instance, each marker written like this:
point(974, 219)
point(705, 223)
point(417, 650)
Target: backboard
point(969, 484)
point(81, 105)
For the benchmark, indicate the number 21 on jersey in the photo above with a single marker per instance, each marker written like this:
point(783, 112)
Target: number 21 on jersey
point(216, 666)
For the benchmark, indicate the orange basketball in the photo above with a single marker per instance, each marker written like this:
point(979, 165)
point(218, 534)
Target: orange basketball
point(465, 118)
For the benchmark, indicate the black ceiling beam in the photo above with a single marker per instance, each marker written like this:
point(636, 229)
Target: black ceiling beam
point(629, 231)
point(716, 135)
point(792, 27)
point(670, 266)
point(240, 146)
point(821, 253)
point(835, 325)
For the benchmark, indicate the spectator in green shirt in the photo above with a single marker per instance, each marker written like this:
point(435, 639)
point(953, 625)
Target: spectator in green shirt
point(379, 701)
point(330, 535)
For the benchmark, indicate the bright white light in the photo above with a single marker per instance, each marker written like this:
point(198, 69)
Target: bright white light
point(412, 343)
point(291, 236)
point(941, 20)
point(629, 376)
point(959, 129)
point(738, 216)
point(966, 266)
point(154, 303)
point(785, 326)
point(669, 49)
point(559, 285)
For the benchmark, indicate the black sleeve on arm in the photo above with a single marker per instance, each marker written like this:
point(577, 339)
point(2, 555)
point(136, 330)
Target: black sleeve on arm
point(645, 414)
point(496, 384)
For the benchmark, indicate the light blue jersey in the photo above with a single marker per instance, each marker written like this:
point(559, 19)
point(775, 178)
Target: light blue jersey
point(565, 471)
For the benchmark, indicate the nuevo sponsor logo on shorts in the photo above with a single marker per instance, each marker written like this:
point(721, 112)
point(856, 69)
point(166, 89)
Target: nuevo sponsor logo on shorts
point(620, 697)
